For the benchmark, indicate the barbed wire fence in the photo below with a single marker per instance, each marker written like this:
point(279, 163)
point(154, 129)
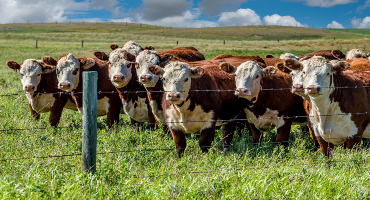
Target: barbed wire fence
point(165, 149)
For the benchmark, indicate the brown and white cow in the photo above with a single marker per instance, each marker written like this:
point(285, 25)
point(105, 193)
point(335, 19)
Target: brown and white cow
point(183, 54)
point(351, 54)
point(186, 110)
point(39, 83)
point(327, 54)
point(130, 46)
point(69, 75)
point(122, 75)
point(335, 118)
point(268, 108)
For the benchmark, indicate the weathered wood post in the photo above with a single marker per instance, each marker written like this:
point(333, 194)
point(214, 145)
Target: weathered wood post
point(89, 121)
point(36, 44)
point(82, 44)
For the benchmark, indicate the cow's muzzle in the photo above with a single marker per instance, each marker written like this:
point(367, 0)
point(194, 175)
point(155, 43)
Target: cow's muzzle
point(146, 78)
point(29, 88)
point(313, 89)
point(118, 78)
point(242, 92)
point(64, 86)
point(173, 96)
point(297, 88)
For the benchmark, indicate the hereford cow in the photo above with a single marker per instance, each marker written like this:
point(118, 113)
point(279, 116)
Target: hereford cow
point(351, 54)
point(39, 83)
point(327, 54)
point(186, 110)
point(268, 108)
point(122, 75)
point(288, 56)
point(334, 116)
point(183, 54)
point(130, 46)
point(69, 75)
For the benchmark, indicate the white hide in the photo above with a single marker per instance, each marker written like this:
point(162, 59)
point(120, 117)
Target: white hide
point(140, 113)
point(41, 103)
point(30, 73)
point(158, 114)
point(103, 106)
point(119, 66)
point(66, 66)
point(317, 73)
point(353, 52)
point(267, 121)
point(181, 118)
point(288, 56)
point(248, 76)
point(144, 60)
point(132, 47)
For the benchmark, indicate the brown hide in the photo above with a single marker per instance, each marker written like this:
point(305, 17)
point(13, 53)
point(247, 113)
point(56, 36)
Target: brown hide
point(359, 64)
point(272, 61)
point(184, 54)
point(327, 54)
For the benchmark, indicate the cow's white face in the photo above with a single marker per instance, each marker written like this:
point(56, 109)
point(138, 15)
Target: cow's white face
point(68, 71)
point(30, 73)
point(288, 56)
point(132, 47)
point(144, 60)
point(248, 80)
point(176, 78)
point(353, 53)
point(119, 69)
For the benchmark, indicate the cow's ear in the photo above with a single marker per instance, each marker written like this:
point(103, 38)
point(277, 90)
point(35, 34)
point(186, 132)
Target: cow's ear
point(129, 57)
point(341, 66)
point(269, 56)
point(47, 68)
point(368, 55)
point(149, 47)
point(292, 64)
point(49, 61)
point(196, 72)
point(13, 65)
point(163, 60)
point(101, 55)
point(113, 47)
point(87, 63)
point(269, 71)
point(227, 67)
point(156, 70)
point(281, 67)
point(338, 54)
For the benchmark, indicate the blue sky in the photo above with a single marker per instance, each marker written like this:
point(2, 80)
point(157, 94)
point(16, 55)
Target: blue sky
point(193, 13)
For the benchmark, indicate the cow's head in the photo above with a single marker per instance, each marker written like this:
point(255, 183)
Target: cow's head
point(144, 60)
point(288, 56)
point(134, 48)
point(120, 72)
point(248, 78)
point(30, 71)
point(68, 70)
point(176, 78)
point(355, 53)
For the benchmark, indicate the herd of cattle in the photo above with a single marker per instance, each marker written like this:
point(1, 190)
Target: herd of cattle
point(179, 89)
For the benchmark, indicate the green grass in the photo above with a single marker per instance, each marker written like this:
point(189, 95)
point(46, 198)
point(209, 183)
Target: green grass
point(246, 172)
point(356, 31)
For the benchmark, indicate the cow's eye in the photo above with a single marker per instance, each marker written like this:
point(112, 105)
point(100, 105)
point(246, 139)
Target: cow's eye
point(327, 74)
point(75, 71)
point(137, 65)
point(164, 79)
point(38, 74)
point(22, 74)
point(186, 80)
point(58, 71)
point(128, 66)
point(109, 63)
point(257, 76)
point(304, 73)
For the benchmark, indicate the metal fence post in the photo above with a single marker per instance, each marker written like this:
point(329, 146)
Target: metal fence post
point(89, 121)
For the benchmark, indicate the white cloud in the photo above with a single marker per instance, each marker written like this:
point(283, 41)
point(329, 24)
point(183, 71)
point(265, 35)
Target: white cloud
point(361, 24)
point(363, 7)
point(215, 7)
point(22, 11)
point(334, 24)
point(325, 3)
point(241, 17)
point(278, 20)
point(159, 9)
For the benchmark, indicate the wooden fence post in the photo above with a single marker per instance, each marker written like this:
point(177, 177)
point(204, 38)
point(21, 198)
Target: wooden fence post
point(82, 44)
point(36, 44)
point(89, 121)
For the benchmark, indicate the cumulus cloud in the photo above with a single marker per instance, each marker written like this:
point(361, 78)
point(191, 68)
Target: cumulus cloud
point(159, 9)
point(363, 7)
point(278, 20)
point(361, 24)
point(241, 17)
point(334, 24)
point(50, 11)
point(325, 3)
point(214, 7)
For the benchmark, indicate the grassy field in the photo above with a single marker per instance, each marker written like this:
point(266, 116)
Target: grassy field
point(124, 169)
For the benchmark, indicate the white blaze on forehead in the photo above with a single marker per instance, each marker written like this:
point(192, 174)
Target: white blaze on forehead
point(66, 66)
point(353, 52)
point(29, 71)
point(118, 67)
point(132, 47)
point(175, 75)
point(144, 60)
point(288, 56)
point(246, 77)
point(316, 69)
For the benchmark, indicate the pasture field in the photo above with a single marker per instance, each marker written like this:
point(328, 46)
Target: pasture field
point(140, 164)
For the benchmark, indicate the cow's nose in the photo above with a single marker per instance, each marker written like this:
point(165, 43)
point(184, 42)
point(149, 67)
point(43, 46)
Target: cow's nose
point(29, 88)
point(118, 78)
point(313, 89)
point(174, 96)
point(297, 88)
point(145, 78)
point(241, 91)
point(65, 85)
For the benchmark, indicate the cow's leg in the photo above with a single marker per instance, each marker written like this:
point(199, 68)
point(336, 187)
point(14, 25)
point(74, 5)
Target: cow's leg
point(56, 111)
point(180, 141)
point(326, 147)
point(317, 144)
point(365, 143)
point(113, 112)
point(282, 137)
point(34, 114)
point(152, 121)
point(228, 134)
point(256, 134)
point(206, 138)
point(355, 141)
